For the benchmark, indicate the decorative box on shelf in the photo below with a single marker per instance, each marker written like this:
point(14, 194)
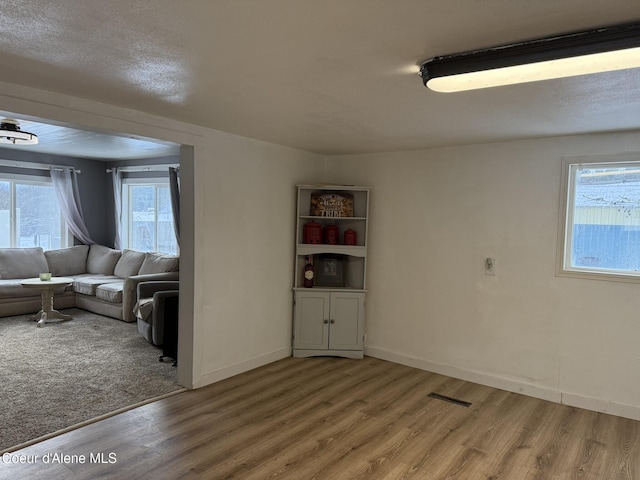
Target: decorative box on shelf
point(330, 270)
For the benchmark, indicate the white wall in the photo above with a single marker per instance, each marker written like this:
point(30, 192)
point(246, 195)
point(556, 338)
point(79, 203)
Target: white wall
point(436, 215)
point(245, 235)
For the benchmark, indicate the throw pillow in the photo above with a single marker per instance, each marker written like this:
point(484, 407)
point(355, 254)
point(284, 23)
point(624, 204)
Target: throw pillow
point(67, 261)
point(102, 260)
point(129, 263)
point(155, 262)
point(22, 262)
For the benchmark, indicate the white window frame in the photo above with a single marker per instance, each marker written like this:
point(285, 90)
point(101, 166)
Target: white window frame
point(125, 220)
point(65, 234)
point(567, 196)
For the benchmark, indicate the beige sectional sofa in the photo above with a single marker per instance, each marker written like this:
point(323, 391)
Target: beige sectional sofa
point(104, 280)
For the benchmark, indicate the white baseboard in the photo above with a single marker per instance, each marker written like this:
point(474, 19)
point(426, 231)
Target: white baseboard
point(509, 384)
point(603, 406)
point(244, 366)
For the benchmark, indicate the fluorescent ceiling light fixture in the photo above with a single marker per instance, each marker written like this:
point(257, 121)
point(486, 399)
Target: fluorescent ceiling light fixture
point(10, 133)
point(594, 51)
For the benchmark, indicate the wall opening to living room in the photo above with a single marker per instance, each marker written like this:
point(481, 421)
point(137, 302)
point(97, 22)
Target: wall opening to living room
point(95, 190)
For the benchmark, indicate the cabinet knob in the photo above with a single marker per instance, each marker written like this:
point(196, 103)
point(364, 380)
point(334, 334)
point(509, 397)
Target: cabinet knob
point(333, 321)
point(325, 321)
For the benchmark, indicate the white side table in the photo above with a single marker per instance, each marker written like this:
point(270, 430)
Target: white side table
point(47, 286)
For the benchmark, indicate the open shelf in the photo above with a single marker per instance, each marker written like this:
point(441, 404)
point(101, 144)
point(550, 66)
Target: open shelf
point(318, 248)
point(356, 254)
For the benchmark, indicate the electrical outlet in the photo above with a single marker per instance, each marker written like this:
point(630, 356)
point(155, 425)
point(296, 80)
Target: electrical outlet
point(490, 266)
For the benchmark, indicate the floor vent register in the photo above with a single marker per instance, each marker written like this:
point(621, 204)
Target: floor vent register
point(449, 399)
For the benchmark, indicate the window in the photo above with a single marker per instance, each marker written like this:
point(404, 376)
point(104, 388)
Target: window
point(29, 213)
point(147, 219)
point(601, 228)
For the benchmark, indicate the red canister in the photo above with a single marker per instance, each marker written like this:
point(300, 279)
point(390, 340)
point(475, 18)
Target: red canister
point(349, 237)
point(331, 235)
point(312, 233)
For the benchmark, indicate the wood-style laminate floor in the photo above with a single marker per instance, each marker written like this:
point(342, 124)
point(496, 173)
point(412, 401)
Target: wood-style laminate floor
point(331, 418)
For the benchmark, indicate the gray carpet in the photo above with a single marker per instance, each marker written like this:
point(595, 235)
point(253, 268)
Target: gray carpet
point(65, 373)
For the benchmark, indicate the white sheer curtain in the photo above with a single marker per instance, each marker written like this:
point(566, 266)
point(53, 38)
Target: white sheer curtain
point(65, 183)
point(174, 190)
point(116, 178)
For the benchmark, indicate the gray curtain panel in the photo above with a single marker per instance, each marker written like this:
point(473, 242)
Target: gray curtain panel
point(174, 189)
point(65, 183)
point(116, 178)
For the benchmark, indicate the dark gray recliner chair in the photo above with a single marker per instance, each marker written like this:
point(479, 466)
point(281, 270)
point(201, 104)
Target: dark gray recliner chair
point(151, 308)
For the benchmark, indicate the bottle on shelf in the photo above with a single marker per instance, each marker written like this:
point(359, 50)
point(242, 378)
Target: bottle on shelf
point(308, 273)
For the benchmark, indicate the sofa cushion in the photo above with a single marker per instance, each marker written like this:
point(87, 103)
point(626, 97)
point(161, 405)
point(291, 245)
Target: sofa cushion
point(102, 260)
point(129, 263)
point(155, 262)
point(22, 262)
point(87, 285)
point(110, 292)
point(67, 261)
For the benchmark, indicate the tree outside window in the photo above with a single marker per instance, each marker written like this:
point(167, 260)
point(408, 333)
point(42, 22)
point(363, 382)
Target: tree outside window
point(30, 215)
point(148, 220)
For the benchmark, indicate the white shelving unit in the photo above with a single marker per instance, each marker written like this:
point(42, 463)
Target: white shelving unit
point(329, 319)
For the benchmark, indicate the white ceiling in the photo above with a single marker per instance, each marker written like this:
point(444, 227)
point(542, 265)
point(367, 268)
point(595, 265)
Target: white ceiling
point(330, 76)
point(75, 142)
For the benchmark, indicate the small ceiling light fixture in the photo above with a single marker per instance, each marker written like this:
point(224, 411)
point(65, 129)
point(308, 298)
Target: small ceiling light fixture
point(10, 133)
point(594, 51)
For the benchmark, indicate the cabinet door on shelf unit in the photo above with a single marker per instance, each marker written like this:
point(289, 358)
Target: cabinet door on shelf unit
point(346, 321)
point(311, 313)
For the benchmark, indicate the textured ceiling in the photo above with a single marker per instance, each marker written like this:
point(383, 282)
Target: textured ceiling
point(75, 142)
point(335, 76)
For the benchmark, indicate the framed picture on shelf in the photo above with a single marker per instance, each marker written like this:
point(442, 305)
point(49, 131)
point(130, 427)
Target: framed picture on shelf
point(332, 205)
point(331, 271)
